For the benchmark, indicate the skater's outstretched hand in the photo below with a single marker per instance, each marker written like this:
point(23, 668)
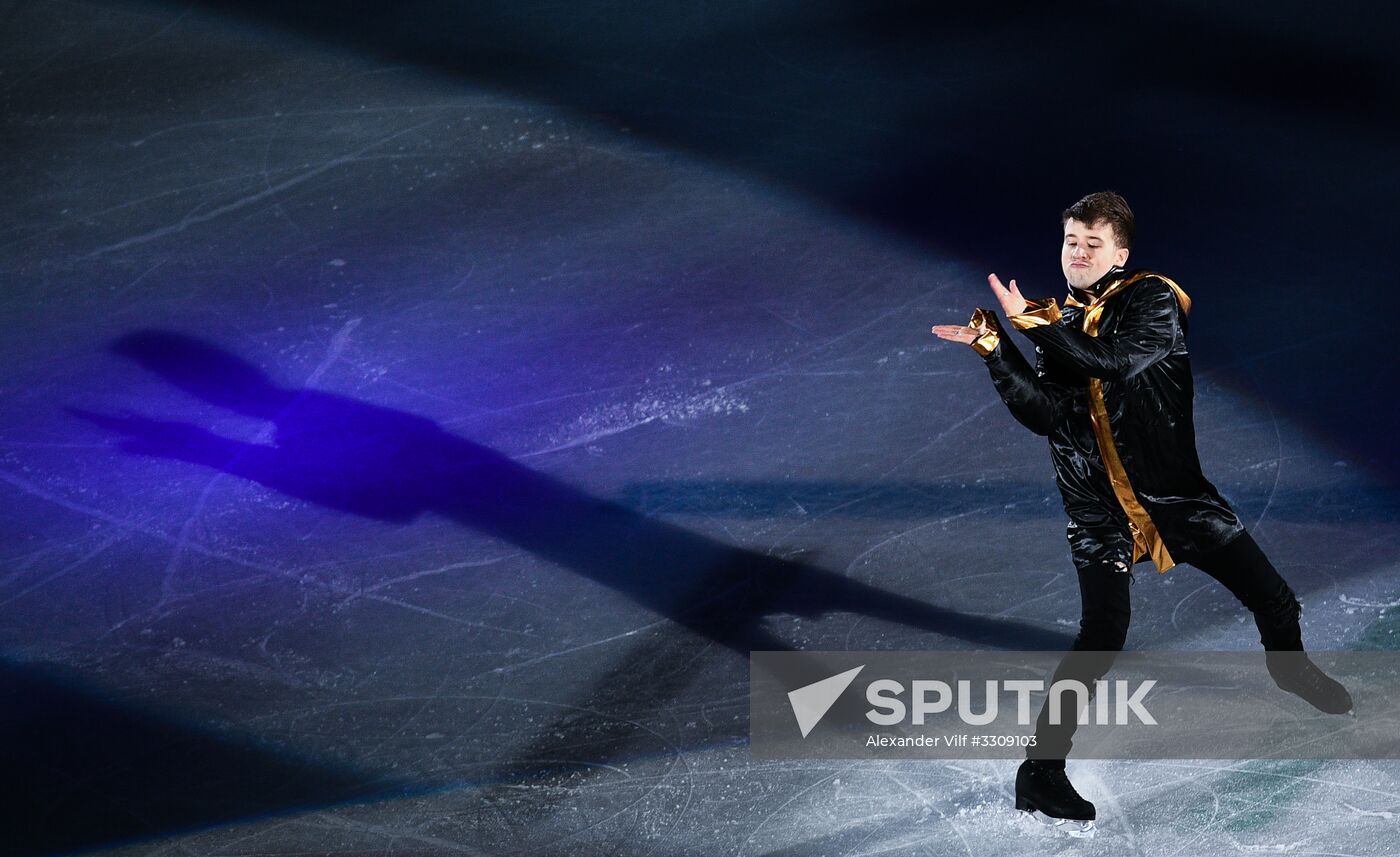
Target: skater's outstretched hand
point(959, 332)
point(1010, 299)
point(1012, 303)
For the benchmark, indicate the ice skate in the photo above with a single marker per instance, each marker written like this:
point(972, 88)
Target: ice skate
point(1296, 673)
point(1043, 789)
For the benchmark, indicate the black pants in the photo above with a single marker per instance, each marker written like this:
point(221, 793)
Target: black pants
point(1103, 627)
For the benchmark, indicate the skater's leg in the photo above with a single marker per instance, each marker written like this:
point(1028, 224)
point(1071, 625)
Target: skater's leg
point(1105, 610)
point(1244, 569)
point(1103, 628)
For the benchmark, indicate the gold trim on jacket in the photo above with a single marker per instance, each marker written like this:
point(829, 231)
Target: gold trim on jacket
point(1146, 540)
point(986, 343)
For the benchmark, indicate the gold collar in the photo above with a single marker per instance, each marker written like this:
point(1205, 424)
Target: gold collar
point(1093, 310)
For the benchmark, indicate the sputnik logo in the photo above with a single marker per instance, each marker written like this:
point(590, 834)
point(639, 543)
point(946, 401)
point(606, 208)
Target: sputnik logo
point(811, 702)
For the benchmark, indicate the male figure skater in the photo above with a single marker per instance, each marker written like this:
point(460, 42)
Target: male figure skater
point(1112, 391)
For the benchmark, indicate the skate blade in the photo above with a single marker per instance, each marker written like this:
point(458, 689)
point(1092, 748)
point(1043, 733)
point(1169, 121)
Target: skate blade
point(1070, 826)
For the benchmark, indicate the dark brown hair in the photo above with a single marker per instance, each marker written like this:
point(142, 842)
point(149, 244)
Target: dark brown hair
point(1105, 206)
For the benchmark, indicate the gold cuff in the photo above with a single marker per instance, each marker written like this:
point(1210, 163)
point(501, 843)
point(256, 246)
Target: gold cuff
point(1039, 311)
point(987, 342)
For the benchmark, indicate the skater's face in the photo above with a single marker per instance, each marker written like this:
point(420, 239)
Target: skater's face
point(1088, 252)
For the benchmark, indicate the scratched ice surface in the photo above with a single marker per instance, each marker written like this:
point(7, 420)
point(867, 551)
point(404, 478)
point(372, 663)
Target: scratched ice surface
point(386, 457)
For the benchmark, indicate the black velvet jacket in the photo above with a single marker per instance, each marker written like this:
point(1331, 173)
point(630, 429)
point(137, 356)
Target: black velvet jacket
point(1112, 390)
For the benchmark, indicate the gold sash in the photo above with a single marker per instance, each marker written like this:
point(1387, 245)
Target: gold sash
point(1146, 539)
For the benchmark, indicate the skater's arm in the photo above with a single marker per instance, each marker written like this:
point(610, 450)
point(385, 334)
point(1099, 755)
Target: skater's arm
point(1021, 388)
point(1145, 335)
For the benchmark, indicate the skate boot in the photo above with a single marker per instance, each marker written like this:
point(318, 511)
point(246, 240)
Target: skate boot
point(1296, 673)
point(1041, 786)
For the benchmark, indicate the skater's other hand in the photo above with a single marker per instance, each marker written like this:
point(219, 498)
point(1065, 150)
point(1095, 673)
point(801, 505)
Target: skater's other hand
point(959, 332)
point(1012, 303)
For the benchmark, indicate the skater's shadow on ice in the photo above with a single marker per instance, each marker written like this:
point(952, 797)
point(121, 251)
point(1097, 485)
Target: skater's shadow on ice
point(390, 465)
